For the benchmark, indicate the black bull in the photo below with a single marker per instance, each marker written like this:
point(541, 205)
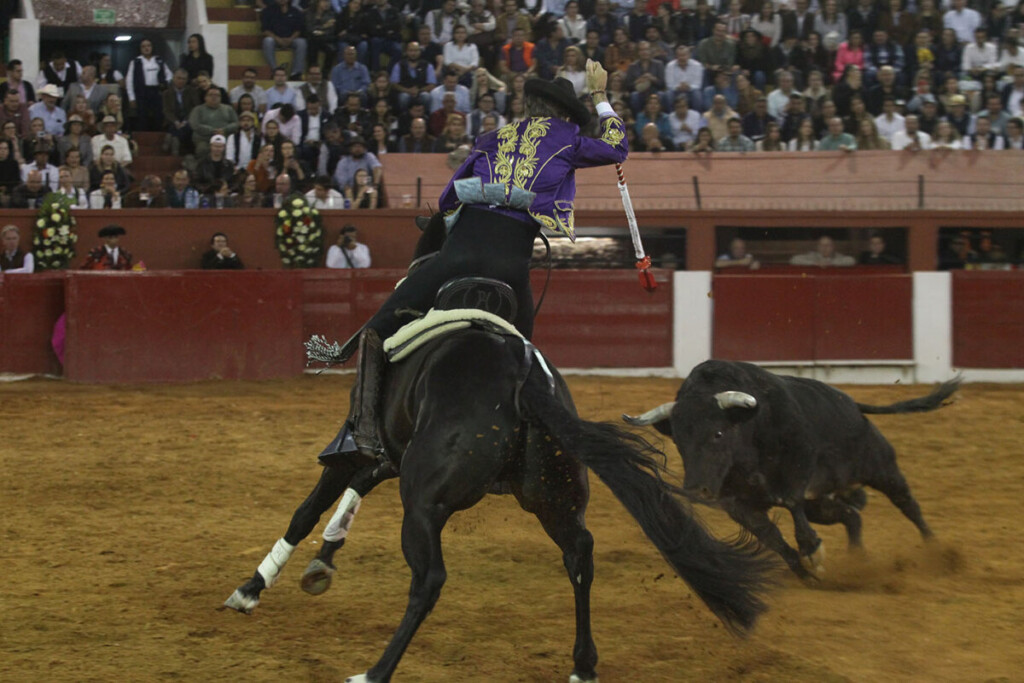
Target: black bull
point(751, 440)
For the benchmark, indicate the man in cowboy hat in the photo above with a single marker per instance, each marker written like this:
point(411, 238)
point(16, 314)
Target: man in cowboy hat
point(515, 181)
point(46, 109)
point(109, 255)
point(109, 136)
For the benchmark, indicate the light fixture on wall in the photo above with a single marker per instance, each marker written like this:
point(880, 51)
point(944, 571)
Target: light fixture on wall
point(122, 39)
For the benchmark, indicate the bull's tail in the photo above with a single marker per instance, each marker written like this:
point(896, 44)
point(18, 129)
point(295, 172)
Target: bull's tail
point(934, 400)
point(728, 576)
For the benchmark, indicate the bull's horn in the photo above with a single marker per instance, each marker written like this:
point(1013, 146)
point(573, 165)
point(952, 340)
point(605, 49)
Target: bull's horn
point(735, 399)
point(658, 414)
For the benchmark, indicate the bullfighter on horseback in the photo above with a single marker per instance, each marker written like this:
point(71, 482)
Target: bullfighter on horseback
point(514, 181)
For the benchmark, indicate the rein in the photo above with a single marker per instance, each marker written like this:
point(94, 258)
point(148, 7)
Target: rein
point(547, 278)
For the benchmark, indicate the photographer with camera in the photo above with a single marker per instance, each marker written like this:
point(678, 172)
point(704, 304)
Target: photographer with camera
point(348, 252)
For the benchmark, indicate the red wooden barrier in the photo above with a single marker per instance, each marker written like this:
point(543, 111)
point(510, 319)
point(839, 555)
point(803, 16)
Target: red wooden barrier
point(182, 326)
point(813, 317)
point(988, 319)
point(29, 306)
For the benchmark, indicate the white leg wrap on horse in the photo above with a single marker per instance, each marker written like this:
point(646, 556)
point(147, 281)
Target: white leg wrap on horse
point(275, 560)
point(341, 522)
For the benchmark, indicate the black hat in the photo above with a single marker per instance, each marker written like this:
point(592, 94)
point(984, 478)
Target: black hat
point(112, 231)
point(561, 92)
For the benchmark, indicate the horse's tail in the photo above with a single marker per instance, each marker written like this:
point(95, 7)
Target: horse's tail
point(922, 404)
point(728, 576)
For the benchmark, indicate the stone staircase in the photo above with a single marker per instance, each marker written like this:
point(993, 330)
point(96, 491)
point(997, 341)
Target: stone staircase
point(244, 41)
point(151, 158)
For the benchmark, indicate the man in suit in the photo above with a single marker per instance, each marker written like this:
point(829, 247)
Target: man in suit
point(178, 101)
point(88, 87)
point(418, 141)
point(798, 21)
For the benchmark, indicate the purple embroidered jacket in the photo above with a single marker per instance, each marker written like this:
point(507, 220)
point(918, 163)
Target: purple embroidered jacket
point(539, 155)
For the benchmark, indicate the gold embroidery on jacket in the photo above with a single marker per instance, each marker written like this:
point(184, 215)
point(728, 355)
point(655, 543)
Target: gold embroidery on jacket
point(507, 137)
point(612, 133)
point(536, 128)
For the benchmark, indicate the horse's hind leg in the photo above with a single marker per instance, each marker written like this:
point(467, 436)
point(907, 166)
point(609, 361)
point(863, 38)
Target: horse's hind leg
point(333, 481)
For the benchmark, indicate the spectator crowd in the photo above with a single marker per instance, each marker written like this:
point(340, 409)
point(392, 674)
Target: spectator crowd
point(374, 77)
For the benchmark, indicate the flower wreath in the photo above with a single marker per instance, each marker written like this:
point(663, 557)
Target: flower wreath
point(299, 235)
point(53, 237)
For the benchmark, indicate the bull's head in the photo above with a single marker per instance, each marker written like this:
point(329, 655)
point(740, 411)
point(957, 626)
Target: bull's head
point(709, 433)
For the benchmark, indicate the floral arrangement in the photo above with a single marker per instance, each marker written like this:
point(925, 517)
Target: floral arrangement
point(54, 238)
point(299, 235)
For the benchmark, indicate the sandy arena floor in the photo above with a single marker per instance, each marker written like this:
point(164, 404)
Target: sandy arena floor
point(130, 513)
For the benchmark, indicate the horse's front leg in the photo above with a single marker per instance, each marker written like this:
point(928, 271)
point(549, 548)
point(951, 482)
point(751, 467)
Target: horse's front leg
point(333, 480)
point(317, 577)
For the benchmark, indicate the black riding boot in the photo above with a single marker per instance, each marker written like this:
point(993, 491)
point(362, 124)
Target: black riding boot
point(366, 394)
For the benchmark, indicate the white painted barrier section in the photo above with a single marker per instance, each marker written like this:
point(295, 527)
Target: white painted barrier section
point(933, 326)
point(25, 45)
point(691, 319)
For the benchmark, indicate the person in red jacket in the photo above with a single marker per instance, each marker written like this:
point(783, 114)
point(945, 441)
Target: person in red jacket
point(109, 255)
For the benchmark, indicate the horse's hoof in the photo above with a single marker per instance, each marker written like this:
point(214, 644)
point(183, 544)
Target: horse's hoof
point(575, 678)
point(317, 577)
point(240, 602)
point(815, 563)
point(361, 678)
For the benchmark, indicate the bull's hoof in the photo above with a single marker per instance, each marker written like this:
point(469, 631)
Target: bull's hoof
point(815, 562)
point(317, 577)
point(240, 602)
point(361, 678)
point(575, 678)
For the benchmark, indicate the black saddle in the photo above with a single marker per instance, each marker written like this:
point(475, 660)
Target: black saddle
point(482, 293)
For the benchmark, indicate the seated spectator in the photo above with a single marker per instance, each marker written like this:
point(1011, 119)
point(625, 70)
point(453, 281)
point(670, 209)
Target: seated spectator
point(349, 75)
point(1014, 138)
point(517, 109)
point(645, 75)
point(735, 141)
point(747, 95)
point(111, 138)
point(249, 87)
point(755, 124)
point(946, 137)
point(348, 252)
point(438, 121)
point(323, 196)
point(351, 117)
point(652, 113)
point(890, 120)
point(994, 112)
point(718, 117)
point(46, 109)
point(722, 85)
point(332, 149)
point(911, 138)
point(79, 173)
point(617, 90)
point(491, 123)
point(850, 53)
point(106, 162)
point(413, 77)
point(649, 139)
point(244, 145)
point(983, 138)
point(30, 194)
point(178, 102)
point(216, 166)
point(211, 118)
point(380, 113)
point(112, 106)
point(106, 72)
point(825, 255)
point(79, 198)
point(361, 192)
point(685, 77)
point(281, 93)
point(772, 141)
point(282, 190)
point(263, 168)
point(685, 123)
point(312, 122)
point(181, 194)
point(837, 140)
point(109, 255)
point(734, 19)
point(454, 135)
point(880, 53)
point(876, 255)
point(15, 83)
point(106, 196)
point(928, 118)
point(13, 259)
point(75, 138)
point(418, 141)
point(825, 114)
point(204, 83)
point(979, 55)
point(852, 84)
point(718, 51)
point(379, 142)
point(293, 166)
point(282, 25)
point(592, 49)
point(450, 86)
point(887, 87)
point(220, 256)
point(36, 136)
point(805, 140)
point(10, 172)
point(149, 195)
point(16, 112)
point(868, 137)
point(460, 55)
point(703, 143)
point(573, 69)
point(778, 100)
point(324, 91)
point(272, 136)
point(958, 253)
point(41, 163)
point(737, 256)
point(249, 197)
point(517, 56)
point(793, 115)
point(350, 30)
point(754, 57)
point(80, 108)
point(485, 106)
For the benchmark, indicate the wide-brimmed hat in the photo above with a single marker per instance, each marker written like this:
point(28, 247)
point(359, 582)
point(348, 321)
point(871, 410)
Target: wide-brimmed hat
point(957, 99)
point(74, 118)
point(561, 92)
point(112, 231)
point(109, 119)
point(49, 89)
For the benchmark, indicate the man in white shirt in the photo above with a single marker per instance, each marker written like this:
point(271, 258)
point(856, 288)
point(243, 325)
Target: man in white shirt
point(348, 252)
point(685, 123)
point(889, 122)
point(289, 123)
point(1013, 93)
point(250, 87)
point(911, 138)
point(778, 100)
point(450, 85)
point(110, 136)
point(12, 258)
point(963, 20)
point(980, 55)
point(685, 76)
point(60, 71)
point(323, 196)
point(442, 22)
point(146, 78)
point(46, 109)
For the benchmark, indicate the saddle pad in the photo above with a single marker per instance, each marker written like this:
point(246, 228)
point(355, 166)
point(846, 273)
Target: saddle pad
point(439, 323)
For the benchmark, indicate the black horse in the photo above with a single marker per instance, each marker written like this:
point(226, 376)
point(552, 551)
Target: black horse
point(474, 411)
